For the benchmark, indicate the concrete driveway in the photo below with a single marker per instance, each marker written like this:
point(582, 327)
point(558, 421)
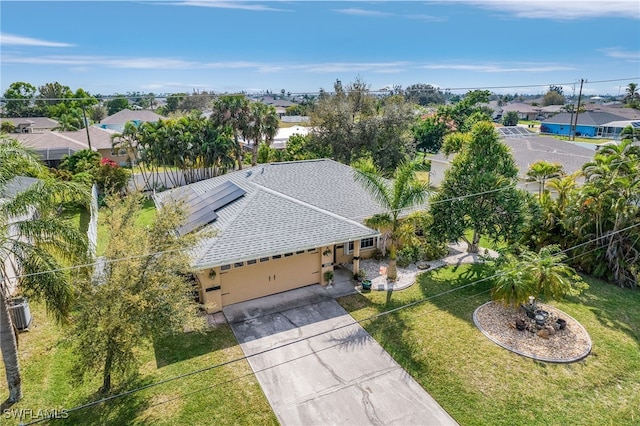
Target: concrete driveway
point(317, 366)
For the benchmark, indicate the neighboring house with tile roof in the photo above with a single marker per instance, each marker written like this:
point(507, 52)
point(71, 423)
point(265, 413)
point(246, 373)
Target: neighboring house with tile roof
point(290, 223)
point(51, 147)
point(589, 124)
point(526, 151)
point(119, 119)
point(32, 124)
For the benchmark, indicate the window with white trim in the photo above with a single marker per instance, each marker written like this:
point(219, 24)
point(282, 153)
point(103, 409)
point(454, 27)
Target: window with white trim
point(365, 244)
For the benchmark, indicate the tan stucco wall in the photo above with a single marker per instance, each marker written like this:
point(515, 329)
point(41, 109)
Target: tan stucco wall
point(119, 159)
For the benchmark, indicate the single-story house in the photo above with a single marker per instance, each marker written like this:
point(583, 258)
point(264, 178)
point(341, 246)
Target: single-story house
point(53, 146)
point(278, 226)
point(526, 151)
point(32, 124)
point(284, 133)
point(589, 123)
point(524, 111)
point(119, 119)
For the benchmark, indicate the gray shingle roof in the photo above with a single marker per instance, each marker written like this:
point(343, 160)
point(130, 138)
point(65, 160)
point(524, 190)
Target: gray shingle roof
point(589, 118)
point(528, 150)
point(287, 207)
point(127, 115)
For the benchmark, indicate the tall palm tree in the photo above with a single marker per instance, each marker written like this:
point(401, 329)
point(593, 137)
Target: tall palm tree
point(34, 247)
point(232, 111)
point(631, 92)
point(262, 126)
point(404, 192)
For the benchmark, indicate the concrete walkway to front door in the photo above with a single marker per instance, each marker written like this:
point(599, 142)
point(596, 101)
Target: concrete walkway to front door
point(317, 366)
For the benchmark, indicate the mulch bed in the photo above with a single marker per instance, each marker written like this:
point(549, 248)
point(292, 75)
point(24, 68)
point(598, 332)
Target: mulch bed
point(544, 343)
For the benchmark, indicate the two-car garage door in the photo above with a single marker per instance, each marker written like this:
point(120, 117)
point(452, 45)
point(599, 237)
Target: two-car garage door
point(269, 275)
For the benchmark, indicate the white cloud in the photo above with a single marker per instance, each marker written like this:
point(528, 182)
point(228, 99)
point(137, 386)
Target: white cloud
point(496, 68)
point(15, 40)
point(101, 61)
point(562, 10)
point(362, 12)
point(377, 13)
point(172, 85)
point(618, 53)
point(229, 5)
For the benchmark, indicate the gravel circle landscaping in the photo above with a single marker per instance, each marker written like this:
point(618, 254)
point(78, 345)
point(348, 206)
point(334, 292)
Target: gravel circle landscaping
point(498, 323)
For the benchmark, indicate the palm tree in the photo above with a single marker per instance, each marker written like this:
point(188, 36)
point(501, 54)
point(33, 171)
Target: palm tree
point(396, 197)
point(536, 274)
point(232, 111)
point(541, 171)
point(34, 248)
point(262, 125)
point(631, 92)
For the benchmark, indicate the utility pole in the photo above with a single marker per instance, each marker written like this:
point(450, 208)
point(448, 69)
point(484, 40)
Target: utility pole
point(575, 125)
point(86, 125)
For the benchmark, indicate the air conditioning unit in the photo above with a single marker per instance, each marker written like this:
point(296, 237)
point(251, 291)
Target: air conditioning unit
point(20, 312)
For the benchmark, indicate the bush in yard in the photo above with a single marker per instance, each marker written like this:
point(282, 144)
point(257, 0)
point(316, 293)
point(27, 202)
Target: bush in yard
point(110, 177)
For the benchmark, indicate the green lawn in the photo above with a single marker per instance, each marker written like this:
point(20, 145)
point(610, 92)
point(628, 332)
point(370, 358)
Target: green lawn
point(226, 395)
point(146, 217)
point(480, 383)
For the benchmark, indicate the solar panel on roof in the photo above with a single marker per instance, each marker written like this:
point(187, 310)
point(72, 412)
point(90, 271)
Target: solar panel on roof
point(223, 194)
point(202, 208)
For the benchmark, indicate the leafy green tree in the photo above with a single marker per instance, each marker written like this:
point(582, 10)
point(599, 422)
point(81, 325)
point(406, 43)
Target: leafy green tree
point(541, 171)
point(174, 101)
point(50, 94)
point(536, 274)
point(117, 103)
point(510, 118)
point(424, 94)
point(297, 148)
point(41, 244)
point(97, 113)
point(554, 96)
point(19, 98)
point(459, 114)
point(478, 192)
point(144, 295)
point(429, 133)
point(396, 197)
point(85, 160)
point(351, 124)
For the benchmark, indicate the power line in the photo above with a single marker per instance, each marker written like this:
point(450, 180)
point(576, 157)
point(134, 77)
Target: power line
point(370, 318)
point(212, 94)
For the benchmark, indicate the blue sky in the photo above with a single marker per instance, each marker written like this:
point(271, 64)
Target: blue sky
point(301, 46)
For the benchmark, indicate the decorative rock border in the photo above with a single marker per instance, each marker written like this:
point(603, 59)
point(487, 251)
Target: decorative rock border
point(569, 345)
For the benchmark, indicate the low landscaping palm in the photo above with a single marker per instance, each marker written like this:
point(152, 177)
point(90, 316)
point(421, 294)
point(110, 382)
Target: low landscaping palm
point(536, 274)
point(396, 197)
